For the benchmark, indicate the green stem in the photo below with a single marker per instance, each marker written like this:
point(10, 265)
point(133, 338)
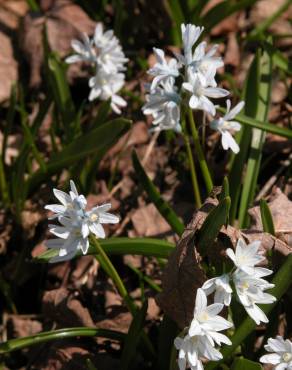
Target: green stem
point(197, 195)
point(109, 268)
point(282, 282)
point(200, 154)
point(112, 272)
point(47, 336)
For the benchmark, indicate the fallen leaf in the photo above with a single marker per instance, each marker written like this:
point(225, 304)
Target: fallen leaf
point(147, 221)
point(64, 21)
point(65, 309)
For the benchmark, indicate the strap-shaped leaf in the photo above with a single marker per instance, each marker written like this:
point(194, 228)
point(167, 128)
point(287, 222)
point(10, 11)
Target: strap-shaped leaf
point(244, 364)
point(48, 336)
point(162, 206)
point(212, 224)
point(263, 80)
point(119, 246)
point(267, 219)
point(133, 337)
point(94, 142)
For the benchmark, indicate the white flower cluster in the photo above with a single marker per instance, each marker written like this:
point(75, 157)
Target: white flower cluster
point(247, 279)
point(202, 334)
point(281, 355)
point(76, 223)
point(105, 53)
point(196, 70)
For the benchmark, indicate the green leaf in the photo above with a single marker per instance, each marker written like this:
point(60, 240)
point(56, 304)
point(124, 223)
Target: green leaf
point(264, 126)
point(223, 10)
point(212, 225)
point(263, 81)
point(177, 16)
point(168, 331)
point(279, 59)
point(243, 138)
point(94, 142)
point(244, 364)
point(225, 189)
point(133, 337)
point(146, 279)
point(267, 219)
point(282, 282)
point(264, 25)
point(120, 246)
point(62, 95)
point(162, 206)
point(48, 336)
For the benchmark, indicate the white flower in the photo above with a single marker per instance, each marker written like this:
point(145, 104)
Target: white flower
point(206, 63)
point(191, 349)
point(163, 104)
point(282, 353)
point(105, 86)
point(246, 256)
point(98, 216)
point(76, 223)
point(105, 52)
point(110, 55)
point(70, 203)
point(200, 92)
point(220, 285)
point(190, 35)
point(73, 236)
point(84, 51)
point(163, 70)
point(250, 291)
point(207, 322)
point(225, 124)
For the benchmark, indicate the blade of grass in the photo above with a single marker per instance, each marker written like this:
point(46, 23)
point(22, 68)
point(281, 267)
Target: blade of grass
point(173, 8)
point(119, 246)
point(146, 279)
point(62, 96)
point(133, 337)
point(223, 10)
point(168, 330)
point(48, 336)
point(109, 268)
point(95, 141)
point(282, 282)
point(264, 126)
point(264, 77)
point(267, 219)
point(164, 209)
point(212, 225)
point(243, 138)
point(244, 364)
point(264, 25)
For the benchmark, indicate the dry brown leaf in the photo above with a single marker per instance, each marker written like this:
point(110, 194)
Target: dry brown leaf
point(147, 221)
point(66, 310)
point(64, 21)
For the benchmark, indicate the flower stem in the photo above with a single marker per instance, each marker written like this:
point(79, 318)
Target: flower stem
point(200, 154)
point(112, 272)
point(109, 268)
point(197, 195)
